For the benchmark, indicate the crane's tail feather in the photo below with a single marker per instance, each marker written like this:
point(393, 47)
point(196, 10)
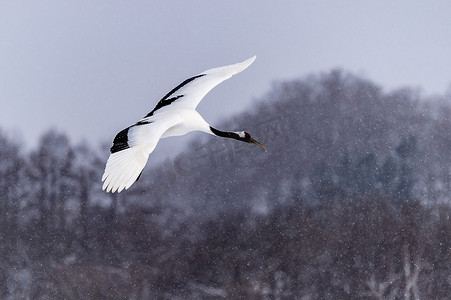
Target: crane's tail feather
point(123, 169)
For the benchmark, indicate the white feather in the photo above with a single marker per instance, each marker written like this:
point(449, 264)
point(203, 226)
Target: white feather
point(123, 167)
point(196, 90)
point(176, 117)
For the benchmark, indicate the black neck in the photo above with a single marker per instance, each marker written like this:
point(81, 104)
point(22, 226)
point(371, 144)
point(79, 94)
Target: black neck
point(225, 134)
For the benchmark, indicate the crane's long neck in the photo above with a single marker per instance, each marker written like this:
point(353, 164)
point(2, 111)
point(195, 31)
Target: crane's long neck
point(225, 134)
point(237, 135)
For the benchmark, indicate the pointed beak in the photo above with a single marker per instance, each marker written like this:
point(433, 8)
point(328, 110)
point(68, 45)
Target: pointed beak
point(258, 143)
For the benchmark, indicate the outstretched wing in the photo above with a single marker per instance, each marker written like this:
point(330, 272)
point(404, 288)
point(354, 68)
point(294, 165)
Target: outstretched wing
point(190, 92)
point(130, 151)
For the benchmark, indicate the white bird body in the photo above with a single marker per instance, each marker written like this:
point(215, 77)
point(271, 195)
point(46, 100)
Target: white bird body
point(191, 120)
point(174, 115)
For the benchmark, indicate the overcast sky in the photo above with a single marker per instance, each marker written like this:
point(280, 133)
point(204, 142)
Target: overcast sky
point(91, 68)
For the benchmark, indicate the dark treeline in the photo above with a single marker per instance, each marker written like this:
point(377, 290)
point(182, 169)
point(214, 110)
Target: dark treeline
point(350, 201)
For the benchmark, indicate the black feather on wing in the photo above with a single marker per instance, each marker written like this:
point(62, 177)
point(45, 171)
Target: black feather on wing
point(120, 142)
point(167, 99)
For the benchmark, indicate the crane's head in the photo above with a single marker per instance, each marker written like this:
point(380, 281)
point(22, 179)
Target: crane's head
point(246, 137)
point(237, 135)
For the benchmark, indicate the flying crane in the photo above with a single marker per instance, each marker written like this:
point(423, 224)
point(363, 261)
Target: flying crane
point(174, 115)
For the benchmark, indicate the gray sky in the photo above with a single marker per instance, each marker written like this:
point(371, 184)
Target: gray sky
point(90, 68)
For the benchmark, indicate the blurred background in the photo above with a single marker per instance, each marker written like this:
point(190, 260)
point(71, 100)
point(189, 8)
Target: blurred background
point(350, 200)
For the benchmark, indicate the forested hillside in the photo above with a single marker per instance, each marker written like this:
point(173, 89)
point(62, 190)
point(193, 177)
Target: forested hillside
point(350, 200)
